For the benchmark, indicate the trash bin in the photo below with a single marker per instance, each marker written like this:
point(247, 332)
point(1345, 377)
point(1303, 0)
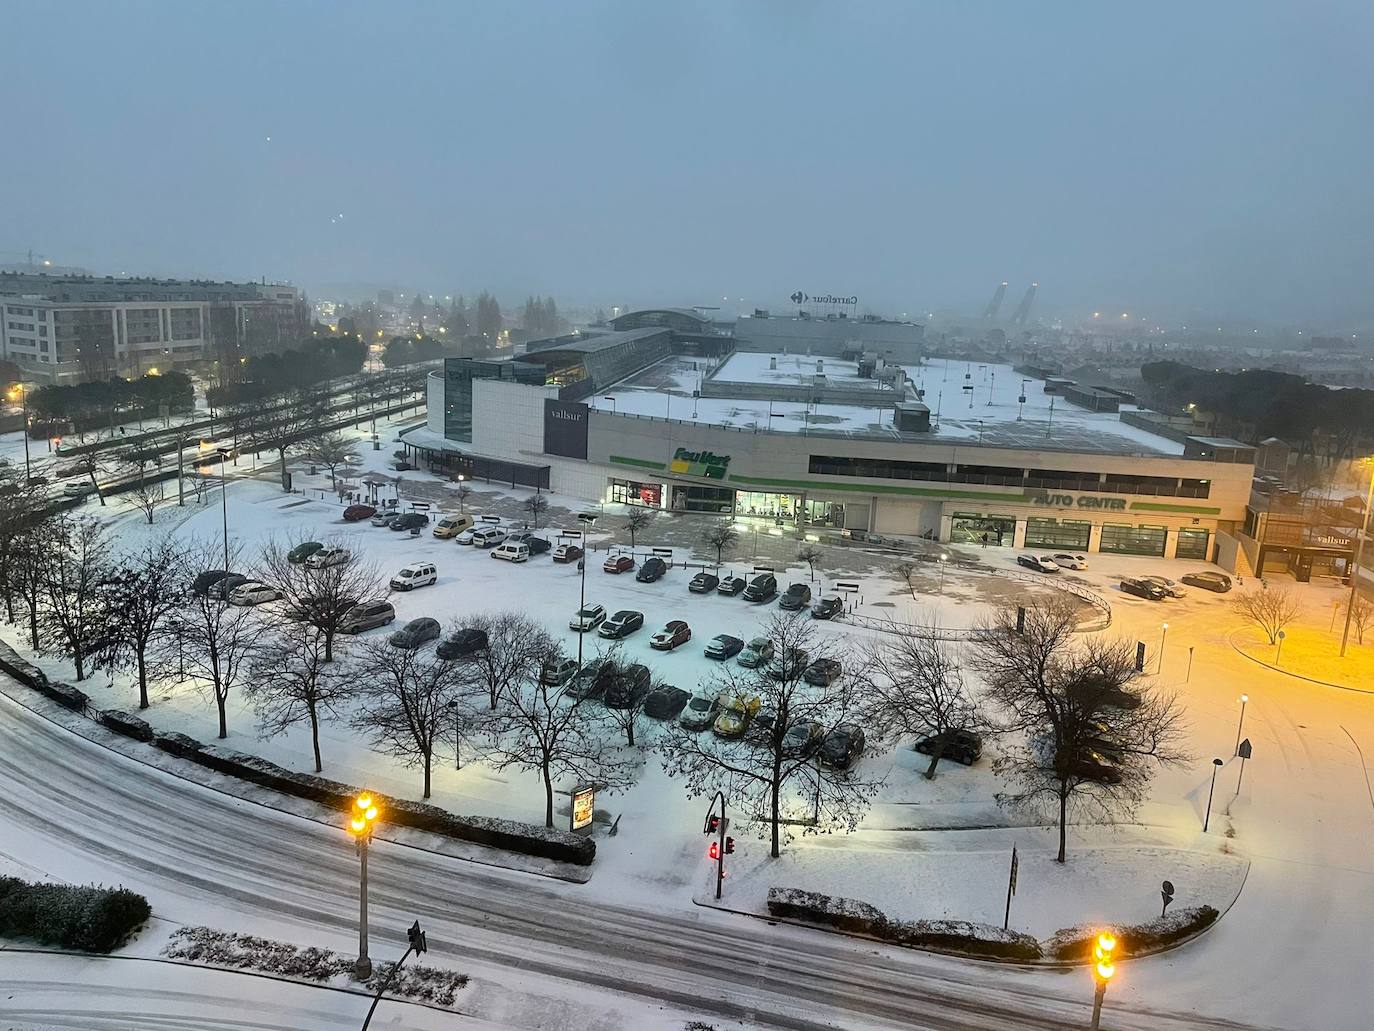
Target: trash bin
point(415, 531)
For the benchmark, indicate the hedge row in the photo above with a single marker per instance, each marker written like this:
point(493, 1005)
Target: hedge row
point(853, 915)
point(88, 918)
point(1075, 943)
point(30, 675)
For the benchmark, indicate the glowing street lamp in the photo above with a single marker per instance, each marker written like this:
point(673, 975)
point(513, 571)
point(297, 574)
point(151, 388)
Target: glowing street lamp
point(1241, 723)
point(1104, 969)
point(360, 823)
point(1359, 552)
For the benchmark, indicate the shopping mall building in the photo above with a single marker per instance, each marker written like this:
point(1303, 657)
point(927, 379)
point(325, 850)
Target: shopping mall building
point(672, 412)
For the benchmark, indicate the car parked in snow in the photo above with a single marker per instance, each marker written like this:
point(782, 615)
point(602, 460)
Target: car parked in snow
point(451, 526)
point(652, 570)
point(1142, 588)
point(823, 672)
point(629, 687)
point(512, 551)
point(224, 586)
point(763, 587)
point(789, 664)
point(699, 712)
point(734, 716)
point(409, 521)
point(327, 557)
point(842, 746)
point(1208, 580)
point(1169, 587)
point(758, 652)
point(367, 615)
point(557, 670)
point(357, 513)
point(803, 738)
point(417, 574)
point(536, 545)
point(587, 618)
point(723, 646)
point(618, 564)
point(703, 583)
point(415, 633)
point(591, 680)
point(486, 537)
point(962, 746)
point(732, 585)
point(297, 555)
point(827, 608)
point(383, 517)
point(1040, 563)
point(674, 633)
point(666, 702)
point(621, 624)
point(203, 582)
point(462, 643)
point(253, 593)
point(1064, 560)
point(567, 553)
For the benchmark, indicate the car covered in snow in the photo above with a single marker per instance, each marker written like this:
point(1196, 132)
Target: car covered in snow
point(703, 583)
point(224, 586)
point(592, 679)
point(724, 646)
point(1040, 563)
point(757, 652)
point(735, 713)
point(415, 633)
point(699, 712)
point(732, 585)
point(665, 702)
point(253, 593)
point(327, 557)
point(297, 555)
point(652, 570)
point(795, 598)
point(823, 672)
point(674, 633)
point(589, 617)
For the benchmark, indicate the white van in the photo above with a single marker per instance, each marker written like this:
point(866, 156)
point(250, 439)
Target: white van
point(488, 537)
point(452, 526)
point(419, 574)
point(512, 551)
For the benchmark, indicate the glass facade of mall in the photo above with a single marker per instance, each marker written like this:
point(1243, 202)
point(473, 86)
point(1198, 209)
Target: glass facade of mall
point(1058, 533)
point(1125, 539)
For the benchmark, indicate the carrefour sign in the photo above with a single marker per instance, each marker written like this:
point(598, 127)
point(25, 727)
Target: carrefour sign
point(699, 463)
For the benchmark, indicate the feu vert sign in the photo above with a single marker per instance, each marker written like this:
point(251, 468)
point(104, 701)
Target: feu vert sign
point(699, 463)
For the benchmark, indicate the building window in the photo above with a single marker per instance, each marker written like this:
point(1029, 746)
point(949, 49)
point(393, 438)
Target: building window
point(973, 528)
point(1054, 533)
point(1124, 539)
point(719, 500)
point(629, 492)
point(1192, 544)
point(767, 504)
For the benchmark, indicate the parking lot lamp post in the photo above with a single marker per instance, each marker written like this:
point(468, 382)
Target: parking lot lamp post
point(588, 521)
point(24, 399)
point(224, 453)
point(457, 736)
point(360, 826)
point(1163, 632)
point(944, 557)
point(1216, 765)
point(1189, 675)
point(461, 509)
point(1359, 551)
point(1241, 723)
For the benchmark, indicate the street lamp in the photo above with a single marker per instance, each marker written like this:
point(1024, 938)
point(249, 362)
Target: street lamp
point(24, 398)
point(1243, 699)
point(224, 453)
point(588, 521)
point(360, 826)
point(461, 509)
point(1104, 969)
point(943, 559)
point(1359, 551)
point(612, 401)
point(1216, 765)
point(1163, 631)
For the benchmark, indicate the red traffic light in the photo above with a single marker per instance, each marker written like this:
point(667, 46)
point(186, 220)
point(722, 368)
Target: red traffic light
point(729, 846)
point(714, 851)
point(712, 824)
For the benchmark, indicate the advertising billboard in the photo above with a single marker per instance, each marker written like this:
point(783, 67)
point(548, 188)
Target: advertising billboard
point(583, 806)
point(565, 428)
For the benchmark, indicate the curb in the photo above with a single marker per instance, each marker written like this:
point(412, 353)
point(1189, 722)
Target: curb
point(1231, 640)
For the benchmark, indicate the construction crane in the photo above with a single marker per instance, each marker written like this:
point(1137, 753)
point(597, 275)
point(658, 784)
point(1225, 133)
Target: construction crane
point(1022, 312)
point(990, 312)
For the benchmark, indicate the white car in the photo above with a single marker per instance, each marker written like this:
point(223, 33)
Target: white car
point(512, 551)
point(1067, 561)
point(465, 537)
point(253, 593)
point(1170, 587)
point(588, 618)
point(488, 537)
point(420, 574)
point(327, 557)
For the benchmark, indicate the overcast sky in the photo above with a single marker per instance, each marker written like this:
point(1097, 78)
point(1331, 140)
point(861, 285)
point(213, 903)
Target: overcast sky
point(1200, 158)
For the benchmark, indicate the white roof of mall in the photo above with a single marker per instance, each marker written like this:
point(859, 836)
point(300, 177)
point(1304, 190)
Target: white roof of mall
point(664, 390)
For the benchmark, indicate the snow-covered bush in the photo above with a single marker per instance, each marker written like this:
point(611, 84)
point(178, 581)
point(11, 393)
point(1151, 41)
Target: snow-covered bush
point(125, 723)
point(65, 695)
point(1075, 943)
point(25, 672)
point(178, 745)
point(89, 918)
point(965, 936)
point(829, 910)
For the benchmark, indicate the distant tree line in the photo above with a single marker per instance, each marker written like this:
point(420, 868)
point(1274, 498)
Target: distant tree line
point(540, 318)
point(315, 361)
point(406, 350)
point(81, 407)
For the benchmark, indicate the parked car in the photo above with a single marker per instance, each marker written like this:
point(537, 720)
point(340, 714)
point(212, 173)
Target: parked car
point(652, 569)
point(78, 489)
point(629, 687)
point(201, 584)
point(618, 564)
point(224, 586)
point(357, 513)
point(310, 606)
point(963, 746)
point(253, 593)
point(622, 624)
point(1113, 695)
point(699, 712)
point(326, 557)
point(1064, 560)
point(762, 588)
point(703, 583)
point(756, 653)
point(588, 618)
point(731, 585)
point(827, 608)
point(842, 746)
point(803, 738)
point(567, 553)
point(1091, 764)
point(512, 551)
point(760, 729)
point(451, 526)
point(1143, 589)
point(556, 670)
point(592, 679)
point(735, 713)
point(796, 597)
point(789, 664)
point(462, 643)
point(301, 552)
point(536, 545)
point(823, 672)
point(382, 517)
point(415, 633)
point(367, 615)
point(418, 574)
point(723, 646)
point(674, 633)
point(1208, 581)
point(1040, 563)
point(487, 537)
point(664, 703)
point(465, 536)
point(409, 521)
point(1169, 587)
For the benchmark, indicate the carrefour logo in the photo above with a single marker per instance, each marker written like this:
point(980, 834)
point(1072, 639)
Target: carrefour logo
point(699, 463)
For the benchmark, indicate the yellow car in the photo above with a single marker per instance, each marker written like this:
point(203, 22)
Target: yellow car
point(451, 526)
point(735, 714)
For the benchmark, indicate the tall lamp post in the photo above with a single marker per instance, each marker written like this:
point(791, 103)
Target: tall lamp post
point(1163, 632)
point(1216, 765)
point(588, 521)
point(24, 398)
point(224, 454)
point(1104, 950)
point(1359, 551)
point(360, 826)
point(1241, 722)
point(944, 557)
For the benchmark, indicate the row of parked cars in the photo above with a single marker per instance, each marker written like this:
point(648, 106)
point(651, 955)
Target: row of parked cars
point(1153, 588)
point(762, 588)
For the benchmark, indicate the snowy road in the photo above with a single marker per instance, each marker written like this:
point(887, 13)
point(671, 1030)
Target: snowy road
point(536, 950)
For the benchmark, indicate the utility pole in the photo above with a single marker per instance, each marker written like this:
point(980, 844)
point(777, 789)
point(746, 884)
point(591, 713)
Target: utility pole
point(1359, 552)
point(364, 815)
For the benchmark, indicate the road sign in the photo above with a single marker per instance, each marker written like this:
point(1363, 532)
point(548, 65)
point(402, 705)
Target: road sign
point(1167, 894)
point(1244, 750)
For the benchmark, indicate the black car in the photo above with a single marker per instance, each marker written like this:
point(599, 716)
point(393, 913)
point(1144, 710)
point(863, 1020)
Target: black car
point(763, 587)
point(789, 664)
point(622, 624)
point(963, 746)
point(1143, 589)
point(1208, 581)
point(462, 643)
point(201, 585)
point(592, 680)
point(651, 570)
point(842, 746)
point(731, 585)
point(802, 738)
point(760, 728)
point(629, 688)
point(704, 583)
point(415, 633)
point(537, 545)
point(665, 702)
point(823, 672)
point(827, 608)
point(796, 598)
point(409, 521)
point(723, 646)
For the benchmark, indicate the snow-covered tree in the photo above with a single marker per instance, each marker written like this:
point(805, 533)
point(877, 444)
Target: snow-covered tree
point(73, 611)
point(143, 593)
point(293, 682)
point(320, 597)
point(516, 647)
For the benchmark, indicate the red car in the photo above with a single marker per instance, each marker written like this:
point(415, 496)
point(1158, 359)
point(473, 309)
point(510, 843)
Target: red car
point(567, 553)
point(619, 564)
point(357, 513)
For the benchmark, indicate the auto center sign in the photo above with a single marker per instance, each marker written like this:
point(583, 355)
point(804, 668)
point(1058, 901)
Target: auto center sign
point(1088, 501)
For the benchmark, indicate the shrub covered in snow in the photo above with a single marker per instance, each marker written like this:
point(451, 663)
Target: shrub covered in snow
point(178, 745)
point(25, 672)
point(125, 723)
point(247, 952)
point(829, 910)
point(65, 695)
point(89, 918)
point(1075, 943)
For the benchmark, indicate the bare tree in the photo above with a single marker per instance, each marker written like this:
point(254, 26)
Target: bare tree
point(73, 613)
point(780, 775)
point(810, 554)
point(1093, 730)
point(146, 497)
point(906, 572)
point(721, 535)
point(333, 450)
point(87, 464)
point(403, 702)
point(217, 644)
point(23, 513)
point(320, 597)
point(143, 592)
point(1361, 615)
point(636, 520)
point(536, 505)
point(625, 714)
point(516, 646)
point(24, 575)
point(554, 737)
point(1269, 610)
point(289, 422)
point(913, 685)
point(293, 682)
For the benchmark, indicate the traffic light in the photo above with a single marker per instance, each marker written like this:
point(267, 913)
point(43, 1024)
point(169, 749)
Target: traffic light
point(714, 851)
point(417, 938)
point(729, 846)
point(712, 824)
point(1104, 950)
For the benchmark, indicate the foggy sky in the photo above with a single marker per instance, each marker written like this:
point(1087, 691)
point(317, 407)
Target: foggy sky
point(1175, 160)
